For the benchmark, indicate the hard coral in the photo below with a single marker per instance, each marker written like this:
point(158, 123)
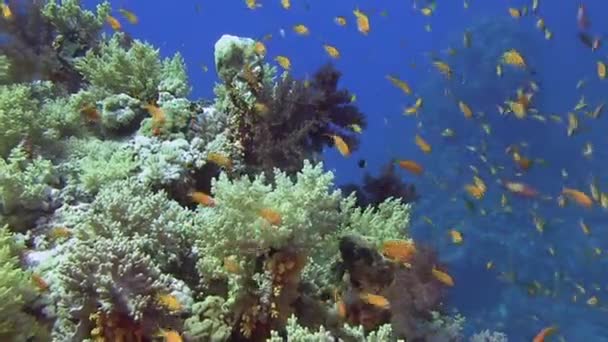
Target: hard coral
point(299, 122)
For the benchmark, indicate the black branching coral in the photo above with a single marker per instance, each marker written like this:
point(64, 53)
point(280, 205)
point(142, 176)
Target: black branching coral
point(298, 120)
point(375, 189)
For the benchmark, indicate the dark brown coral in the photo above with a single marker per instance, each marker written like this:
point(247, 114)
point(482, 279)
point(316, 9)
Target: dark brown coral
point(376, 189)
point(411, 290)
point(36, 51)
point(299, 122)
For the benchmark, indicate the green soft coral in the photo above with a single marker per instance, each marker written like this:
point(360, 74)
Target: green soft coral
point(24, 187)
point(174, 78)
point(16, 291)
point(314, 216)
point(135, 71)
point(68, 16)
point(27, 114)
point(92, 164)
point(157, 225)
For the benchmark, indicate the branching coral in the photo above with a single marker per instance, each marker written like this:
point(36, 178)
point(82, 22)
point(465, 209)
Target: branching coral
point(92, 164)
point(26, 116)
point(16, 291)
point(210, 321)
point(158, 226)
point(112, 277)
point(134, 70)
point(25, 188)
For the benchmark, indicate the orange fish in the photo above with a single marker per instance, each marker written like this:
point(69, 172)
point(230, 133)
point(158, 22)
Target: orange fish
point(520, 189)
point(114, 23)
point(170, 335)
point(375, 300)
point(579, 197)
point(523, 162)
point(410, 166)
point(399, 250)
point(442, 277)
point(270, 215)
point(202, 198)
point(340, 305)
point(422, 144)
point(340, 144)
point(540, 337)
point(39, 282)
point(475, 191)
point(169, 301)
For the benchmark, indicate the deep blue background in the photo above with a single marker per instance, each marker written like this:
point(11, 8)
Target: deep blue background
point(398, 44)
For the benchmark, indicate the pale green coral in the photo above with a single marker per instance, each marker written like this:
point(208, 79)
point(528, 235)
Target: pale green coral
point(16, 291)
point(120, 111)
point(111, 275)
point(174, 79)
point(25, 115)
point(177, 116)
point(383, 333)
point(156, 225)
point(314, 217)
point(24, 188)
point(68, 16)
point(209, 321)
point(92, 164)
point(135, 71)
point(298, 333)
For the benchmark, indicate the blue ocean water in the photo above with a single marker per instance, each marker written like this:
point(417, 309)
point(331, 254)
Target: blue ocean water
point(562, 260)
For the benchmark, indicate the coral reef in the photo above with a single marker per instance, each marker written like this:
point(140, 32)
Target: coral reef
point(16, 291)
point(146, 212)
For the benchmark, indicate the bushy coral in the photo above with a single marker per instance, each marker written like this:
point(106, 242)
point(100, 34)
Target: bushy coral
point(112, 276)
point(120, 111)
point(210, 321)
point(158, 226)
point(26, 115)
point(25, 188)
point(174, 79)
point(70, 19)
point(118, 67)
point(92, 164)
point(16, 290)
point(177, 116)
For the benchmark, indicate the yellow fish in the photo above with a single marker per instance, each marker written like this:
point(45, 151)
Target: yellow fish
point(7, 13)
point(340, 20)
point(400, 84)
point(443, 68)
point(260, 48)
point(515, 13)
point(340, 144)
point(427, 11)
point(422, 144)
point(332, 51)
point(456, 236)
point(130, 16)
point(465, 109)
point(284, 62)
point(362, 21)
point(252, 4)
point(301, 30)
point(442, 276)
point(601, 70)
point(286, 4)
point(514, 58)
